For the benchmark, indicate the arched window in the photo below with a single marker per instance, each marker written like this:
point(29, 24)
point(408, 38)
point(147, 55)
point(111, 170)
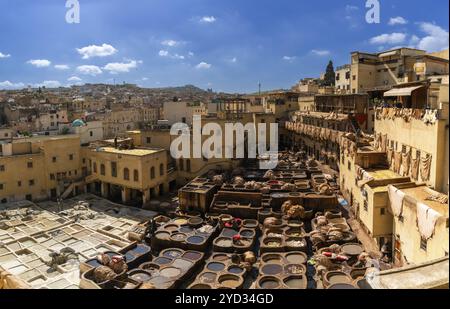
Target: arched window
point(136, 175)
point(152, 173)
point(161, 169)
point(126, 174)
point(102, 169)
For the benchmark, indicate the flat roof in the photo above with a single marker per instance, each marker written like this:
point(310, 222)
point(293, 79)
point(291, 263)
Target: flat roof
point(130, 152)
point(421, 193)
point(45, 137)
point(382, 174)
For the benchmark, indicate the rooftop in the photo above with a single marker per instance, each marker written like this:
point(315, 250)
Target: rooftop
point(138, 152)
point(421, 193)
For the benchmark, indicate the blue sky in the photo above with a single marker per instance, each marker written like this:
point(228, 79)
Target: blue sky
point(228, 45)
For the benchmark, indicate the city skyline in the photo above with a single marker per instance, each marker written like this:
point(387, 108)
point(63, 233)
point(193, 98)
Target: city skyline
point(228, 47)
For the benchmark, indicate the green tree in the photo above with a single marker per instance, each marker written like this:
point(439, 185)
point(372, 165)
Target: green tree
point(330, 75)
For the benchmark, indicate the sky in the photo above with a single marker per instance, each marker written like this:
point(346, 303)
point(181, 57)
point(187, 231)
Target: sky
point(226, 45)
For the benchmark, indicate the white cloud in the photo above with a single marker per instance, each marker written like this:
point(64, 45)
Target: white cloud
point(9, 85)
point(320, 52)
point(120, 67)
point(74, 79)
point(203, 66)
point(393, 38)
point(2, 55)
point(170, 43)
point(92, 70)
point(350, 8)
point(144, 78)
point(397, 21)
point(207, 19)
point(414, 40)
point(49, 84)
point(165, 53)
point(96, 51)
point(289, 58)
point(62, 67)
point(40, 63)
point(190, 54)
point(233, 60)
point(436, 39)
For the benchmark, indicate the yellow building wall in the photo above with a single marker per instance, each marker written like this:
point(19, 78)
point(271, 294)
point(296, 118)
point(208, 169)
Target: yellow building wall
point(408, 234)
point(427, 138)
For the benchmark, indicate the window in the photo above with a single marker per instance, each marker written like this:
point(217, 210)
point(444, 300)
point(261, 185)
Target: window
point(114, 169)
point(29, 197)
point(349, 165)
point(354, 77)
point(2, 168)
point(102, 169)
point(149, 140)
point(161, 169)
point(31, 182)
point(2, 186)
point(54, 159)
point(19, 183)
point(152, 173)
point(126, 174)
point(91, 133)
point(423, 244)
point(30, 164)
point(95, 167)
point(52, 176)
point(71, 157)
point(382, 211)
point(84, 161)
point(136, 175)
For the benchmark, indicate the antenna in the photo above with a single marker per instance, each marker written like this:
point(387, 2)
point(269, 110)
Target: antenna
point(259, 88)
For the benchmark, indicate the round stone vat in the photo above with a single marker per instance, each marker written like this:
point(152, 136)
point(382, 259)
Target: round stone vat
point(297, 258)
point(215, 266)
point(296, 282)
point(230, 281)
point(271, 269)
point(268, 283)
point(271, 258)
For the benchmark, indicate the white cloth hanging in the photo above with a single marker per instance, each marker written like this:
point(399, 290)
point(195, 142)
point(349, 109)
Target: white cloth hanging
point(426, 220)
point(396, 198)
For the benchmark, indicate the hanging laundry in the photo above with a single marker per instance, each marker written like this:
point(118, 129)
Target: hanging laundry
point(430, 117)
point(425, 167)
point(415, 163)
point(383, 143)
point(396, 198)
point(426, 220)
point(397, 162)
point(406, 162)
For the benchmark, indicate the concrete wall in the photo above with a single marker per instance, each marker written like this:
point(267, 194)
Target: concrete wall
point(408, 235)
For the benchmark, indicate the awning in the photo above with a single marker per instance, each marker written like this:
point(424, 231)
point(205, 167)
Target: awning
point(401, 92)
point(388, 54)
